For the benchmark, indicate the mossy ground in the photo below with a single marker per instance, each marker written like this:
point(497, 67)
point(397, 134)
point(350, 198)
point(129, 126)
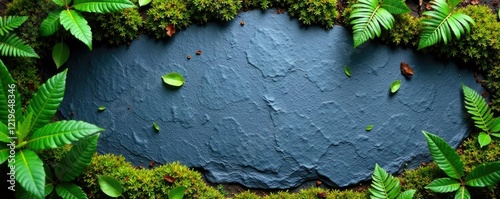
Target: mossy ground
point(481, 48)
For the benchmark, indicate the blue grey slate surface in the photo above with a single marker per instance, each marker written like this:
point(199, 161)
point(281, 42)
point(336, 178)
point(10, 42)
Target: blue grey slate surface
point(267, 104)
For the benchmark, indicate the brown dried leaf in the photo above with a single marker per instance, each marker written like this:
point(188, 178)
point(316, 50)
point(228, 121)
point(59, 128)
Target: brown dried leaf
point(170, 29)
point(474, 2)
point(406, 70)
point(169, 179)
point(428, 6)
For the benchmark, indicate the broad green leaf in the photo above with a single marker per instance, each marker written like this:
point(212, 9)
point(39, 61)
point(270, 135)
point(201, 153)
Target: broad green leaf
point(157, 128)
point(77, 159)
point(46, 101)
point(484, 139)
point(445, 157)
point(396, 84)
point(496, 135)
point(9, 23)
point(383, 184)
point(486, 174)
point(462, 193)
point(347, 71)
point(70, 190)
point(50, 25)
point(407, 194)
point(495, 125)
point(176, 193)
point(4, 153)
point(101, 108)
point(60, 133)
point(110, 186)
point(8, 91)
point(13, 46)
point(29, 172)
point(173, 79)
point(102, 6)
point(21, 193)
point(60, 54)
point(443, 185)
point(23, 128)
point(144, 2)
point(48, 189)
point(395, 6)
point(369, 127)
point(77, 25)
point(5, 133)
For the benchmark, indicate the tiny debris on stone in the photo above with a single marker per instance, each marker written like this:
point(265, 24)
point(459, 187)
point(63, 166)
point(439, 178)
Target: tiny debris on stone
point(242, 23)
point(198, 52)
point(406, 70)
point(318, 183)
point(189, 57)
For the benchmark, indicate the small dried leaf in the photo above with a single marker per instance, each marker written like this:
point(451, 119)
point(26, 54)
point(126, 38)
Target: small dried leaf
point(170, 30)
point(169, 179)
point(406, 70)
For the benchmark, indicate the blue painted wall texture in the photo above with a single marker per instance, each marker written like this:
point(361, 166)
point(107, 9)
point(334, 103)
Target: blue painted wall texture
point(267, 104)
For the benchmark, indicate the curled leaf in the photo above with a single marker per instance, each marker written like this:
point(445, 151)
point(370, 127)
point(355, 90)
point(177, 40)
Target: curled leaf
point(102, 108)
point(157, 128)
point(170, 30)
point(347, 71)
point(396, 84)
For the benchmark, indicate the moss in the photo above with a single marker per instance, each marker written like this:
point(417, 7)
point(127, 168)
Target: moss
point(208, 10)
point(145, 183)
point(167, 12)
point(323, 12)
point(405, 32)
point(115, 28)
point(25, 73)
point(314, 192)
point(419, 178)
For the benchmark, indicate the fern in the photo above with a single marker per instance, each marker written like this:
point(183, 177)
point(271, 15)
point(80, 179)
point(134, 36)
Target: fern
point(12, 45)
point(9, 23)
point(369, 15)
point(442, 22)
point(482, 115)
point(385, 186)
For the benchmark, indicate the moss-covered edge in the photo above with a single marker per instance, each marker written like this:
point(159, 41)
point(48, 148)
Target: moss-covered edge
point(480, 49)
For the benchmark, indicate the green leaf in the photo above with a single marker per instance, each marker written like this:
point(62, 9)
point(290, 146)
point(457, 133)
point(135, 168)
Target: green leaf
point(383, 184)
point(102, 6)
point(101, 108)
point(12, 45)
point(173, 79)
point(496, 135)
point(77, 25)
point(486, 174)
point(396, 84)
point(50, 25)
point(77, 159)
point(29, 172)
point(407, 194)
point(445, 157)
point(9, 23)
point(462, 193)
point(21, 193)
point(46, 101)
point(443, 185)
point(369, 127)
point(8, 91)
point(441, 22)
point(144, 2)
point(60, 133)
point(110, 186)
point(495, 125)
point(4, 153)
point(157, 128)
point(4, 133)
point(48, 189)
point(395, 6)
point(70, 190)
point(477, 107)
point(484, 139)
point(62, 2)
point(347, 71)
point(23, 128)
point(60, 54)
point(176, 193)
point(367, 19)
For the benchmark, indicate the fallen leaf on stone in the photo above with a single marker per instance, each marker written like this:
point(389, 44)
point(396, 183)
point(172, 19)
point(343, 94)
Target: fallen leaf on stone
point(406, 70)
point(170, 30)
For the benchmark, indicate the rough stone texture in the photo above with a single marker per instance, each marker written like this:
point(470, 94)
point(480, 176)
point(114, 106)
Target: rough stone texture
point(267, 104)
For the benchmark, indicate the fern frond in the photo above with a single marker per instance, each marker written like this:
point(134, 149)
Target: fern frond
point(10, 23)
point(102, 6)
point(477, 107)
point(77, 25)
point(384, 185)
point(12, 45)
point(442, 22)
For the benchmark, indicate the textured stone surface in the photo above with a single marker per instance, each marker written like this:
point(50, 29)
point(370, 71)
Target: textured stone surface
point(267, 104)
